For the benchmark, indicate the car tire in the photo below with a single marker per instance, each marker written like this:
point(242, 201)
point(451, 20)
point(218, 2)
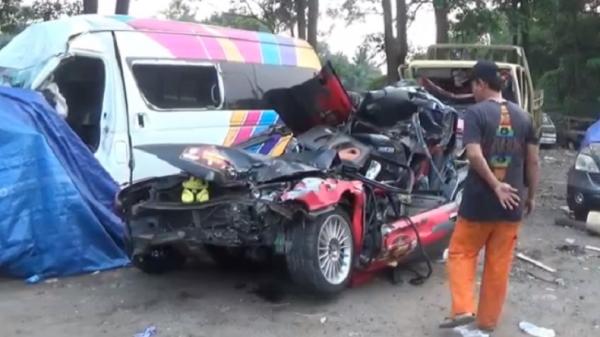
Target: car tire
point(226, 257)
point(580, 214)
point(579, 210)
point(321, 254)
point(159, 260)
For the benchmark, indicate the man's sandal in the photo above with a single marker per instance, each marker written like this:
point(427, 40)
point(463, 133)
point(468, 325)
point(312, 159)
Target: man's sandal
point(458, 320)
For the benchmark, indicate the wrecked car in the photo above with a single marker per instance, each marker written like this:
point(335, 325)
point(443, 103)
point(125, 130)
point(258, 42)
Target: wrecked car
point(358, 189)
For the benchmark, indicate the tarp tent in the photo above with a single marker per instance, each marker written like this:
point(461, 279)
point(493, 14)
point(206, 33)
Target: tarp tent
point(56, 200)
point(592, 135)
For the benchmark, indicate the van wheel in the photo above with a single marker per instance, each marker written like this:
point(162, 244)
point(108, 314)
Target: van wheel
point(159, 260)
point(321, 255)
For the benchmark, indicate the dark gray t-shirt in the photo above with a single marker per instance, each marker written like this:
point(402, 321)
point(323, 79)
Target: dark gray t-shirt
point(503, 130)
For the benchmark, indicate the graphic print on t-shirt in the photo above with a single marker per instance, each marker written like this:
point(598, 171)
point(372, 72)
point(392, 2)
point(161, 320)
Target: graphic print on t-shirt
point(502, 148)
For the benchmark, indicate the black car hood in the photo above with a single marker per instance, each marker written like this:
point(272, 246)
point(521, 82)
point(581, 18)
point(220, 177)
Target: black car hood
point(225, 165)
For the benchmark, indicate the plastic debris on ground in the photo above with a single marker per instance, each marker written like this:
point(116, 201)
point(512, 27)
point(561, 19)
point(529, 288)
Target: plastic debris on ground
point(323, 319)
point(592, 248)
point(536, 263)
point(467, 331)
point(536, 331)
point(33, 279)
point(565, 209)
point(444, 257)
point(148, 332)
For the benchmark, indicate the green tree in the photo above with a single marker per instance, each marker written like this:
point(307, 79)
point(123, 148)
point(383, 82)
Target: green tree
point(10, 16)
point(313, 17)
point(14, 16)
point(45, 10)
point(277, 15)
point(90, 6)
point(234, 20)
point(180, 10)
point(356, 73)
point(122, 7)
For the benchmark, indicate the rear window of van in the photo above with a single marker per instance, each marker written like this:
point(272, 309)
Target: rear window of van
point(246, 84)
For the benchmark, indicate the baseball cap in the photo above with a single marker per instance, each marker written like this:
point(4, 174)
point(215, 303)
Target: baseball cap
point(486, 71)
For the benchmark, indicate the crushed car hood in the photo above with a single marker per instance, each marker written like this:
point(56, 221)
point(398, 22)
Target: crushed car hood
point(226, 165)
point(321, 100)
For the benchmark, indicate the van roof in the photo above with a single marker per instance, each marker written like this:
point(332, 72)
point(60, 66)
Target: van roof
point(159, 38)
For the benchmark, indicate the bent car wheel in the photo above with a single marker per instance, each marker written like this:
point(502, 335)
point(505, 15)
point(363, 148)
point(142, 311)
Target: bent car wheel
point(159, 260)
point(321, 254)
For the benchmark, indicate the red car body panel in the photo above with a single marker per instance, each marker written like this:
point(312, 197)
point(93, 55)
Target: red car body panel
point(318, 194)
point(399, 238)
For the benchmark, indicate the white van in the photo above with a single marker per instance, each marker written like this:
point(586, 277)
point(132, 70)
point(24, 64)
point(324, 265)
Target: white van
point(129, 82)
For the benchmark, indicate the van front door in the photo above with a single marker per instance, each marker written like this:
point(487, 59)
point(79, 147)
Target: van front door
point(87, 77)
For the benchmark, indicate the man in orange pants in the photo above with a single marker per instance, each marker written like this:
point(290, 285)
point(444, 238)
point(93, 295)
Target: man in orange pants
point(503, 154)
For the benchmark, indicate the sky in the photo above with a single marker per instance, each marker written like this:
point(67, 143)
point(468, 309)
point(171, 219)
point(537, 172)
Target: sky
point(343, 38)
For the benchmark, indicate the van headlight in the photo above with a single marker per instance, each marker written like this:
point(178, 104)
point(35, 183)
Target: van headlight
point(585, 162)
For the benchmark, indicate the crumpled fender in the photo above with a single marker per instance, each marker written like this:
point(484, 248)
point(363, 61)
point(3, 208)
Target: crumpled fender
point(317, 194)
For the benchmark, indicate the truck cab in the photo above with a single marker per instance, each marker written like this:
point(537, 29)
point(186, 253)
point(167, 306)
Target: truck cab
point(446, 67)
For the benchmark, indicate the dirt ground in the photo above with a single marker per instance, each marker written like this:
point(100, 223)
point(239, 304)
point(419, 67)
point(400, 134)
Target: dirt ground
point(205, 301)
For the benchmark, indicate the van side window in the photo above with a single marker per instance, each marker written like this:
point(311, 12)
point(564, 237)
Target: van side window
point(277, 77)
point(177, 86)
point(246, 84)
point(241, 90)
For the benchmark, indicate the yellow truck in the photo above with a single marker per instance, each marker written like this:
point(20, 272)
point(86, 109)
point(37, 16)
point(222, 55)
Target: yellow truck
point(446, 66)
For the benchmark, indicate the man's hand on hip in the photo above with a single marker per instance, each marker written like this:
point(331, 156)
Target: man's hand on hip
point(507, 195)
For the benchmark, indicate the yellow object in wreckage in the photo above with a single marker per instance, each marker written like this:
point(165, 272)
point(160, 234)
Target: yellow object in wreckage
point(194, 190)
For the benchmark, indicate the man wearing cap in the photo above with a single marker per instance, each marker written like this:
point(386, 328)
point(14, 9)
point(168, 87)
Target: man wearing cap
point(502, 149)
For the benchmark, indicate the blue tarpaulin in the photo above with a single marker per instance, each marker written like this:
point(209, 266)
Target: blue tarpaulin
point(592, 135)
point(56, 201)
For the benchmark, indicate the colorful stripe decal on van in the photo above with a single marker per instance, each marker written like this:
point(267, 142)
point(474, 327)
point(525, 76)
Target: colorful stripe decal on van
point(247, 130)
point(204, 42)
point(269, 48)
point(245, 124)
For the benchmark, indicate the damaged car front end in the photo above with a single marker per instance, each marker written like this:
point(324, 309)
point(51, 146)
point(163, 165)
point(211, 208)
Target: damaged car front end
point(242, 203)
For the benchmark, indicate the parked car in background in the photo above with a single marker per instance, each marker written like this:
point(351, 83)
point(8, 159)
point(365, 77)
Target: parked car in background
point(583, 182)
point(547, 131)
